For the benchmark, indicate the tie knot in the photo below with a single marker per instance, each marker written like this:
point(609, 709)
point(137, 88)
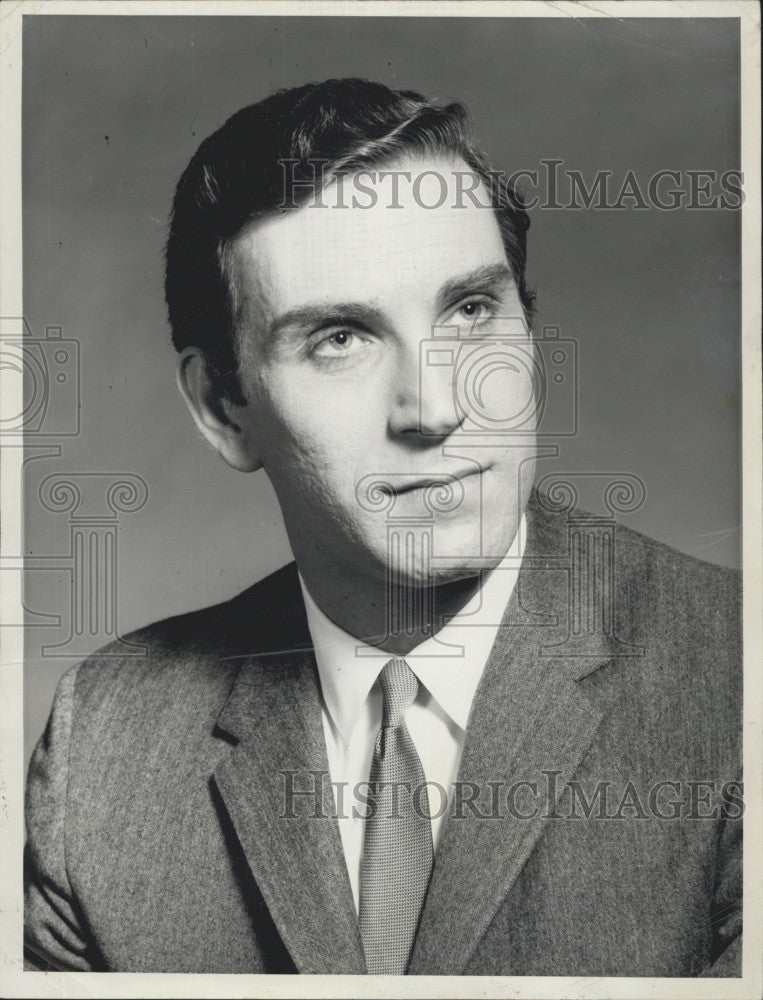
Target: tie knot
point(399, 686)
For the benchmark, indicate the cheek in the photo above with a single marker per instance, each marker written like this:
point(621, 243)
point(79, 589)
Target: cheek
point(307, 440)
point(496, 386)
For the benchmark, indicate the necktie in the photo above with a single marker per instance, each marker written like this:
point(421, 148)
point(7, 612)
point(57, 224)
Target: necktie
point(397, 851)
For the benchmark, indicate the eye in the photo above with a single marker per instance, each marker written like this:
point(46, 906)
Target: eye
point(337, 344)
point(475, 310)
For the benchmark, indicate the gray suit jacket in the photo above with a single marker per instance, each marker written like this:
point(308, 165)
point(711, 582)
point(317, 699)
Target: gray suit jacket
point(157, 839)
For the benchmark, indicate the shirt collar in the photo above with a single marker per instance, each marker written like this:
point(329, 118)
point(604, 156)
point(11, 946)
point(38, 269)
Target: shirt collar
point(449, 664)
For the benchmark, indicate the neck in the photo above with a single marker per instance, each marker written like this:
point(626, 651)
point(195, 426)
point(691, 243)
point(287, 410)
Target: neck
point(393, 618)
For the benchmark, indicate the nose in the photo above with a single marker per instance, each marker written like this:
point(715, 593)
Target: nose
point(422, 394)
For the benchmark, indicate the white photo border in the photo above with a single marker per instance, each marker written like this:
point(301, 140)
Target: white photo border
point(18, 983)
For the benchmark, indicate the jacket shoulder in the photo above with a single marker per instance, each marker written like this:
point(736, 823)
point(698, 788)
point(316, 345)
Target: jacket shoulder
point(178, 664)
point(684, 614)
point(681, 589)
point(676, 635)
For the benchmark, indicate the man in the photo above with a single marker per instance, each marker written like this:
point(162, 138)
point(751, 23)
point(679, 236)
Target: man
point(452, 741)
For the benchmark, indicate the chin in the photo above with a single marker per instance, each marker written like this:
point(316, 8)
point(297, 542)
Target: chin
point(421, 558)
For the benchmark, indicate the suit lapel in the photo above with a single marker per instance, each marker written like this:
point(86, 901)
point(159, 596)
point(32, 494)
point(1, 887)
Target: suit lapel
point(529, 716)
point(296, 859)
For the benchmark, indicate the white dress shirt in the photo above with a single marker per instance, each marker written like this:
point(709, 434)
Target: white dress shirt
point(448, 667)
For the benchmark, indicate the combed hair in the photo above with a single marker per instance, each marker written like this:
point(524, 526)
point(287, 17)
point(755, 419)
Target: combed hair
point(237, 175)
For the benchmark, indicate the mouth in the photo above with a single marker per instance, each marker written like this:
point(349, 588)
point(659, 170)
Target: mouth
point(410, 485)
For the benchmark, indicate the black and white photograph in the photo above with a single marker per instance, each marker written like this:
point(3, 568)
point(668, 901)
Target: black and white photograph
point(381, 499)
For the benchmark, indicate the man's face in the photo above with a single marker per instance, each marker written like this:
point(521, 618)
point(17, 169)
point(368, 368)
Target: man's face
point(336, 307)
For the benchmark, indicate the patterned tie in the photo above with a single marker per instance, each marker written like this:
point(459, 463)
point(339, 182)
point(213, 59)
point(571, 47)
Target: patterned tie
point(397, 852)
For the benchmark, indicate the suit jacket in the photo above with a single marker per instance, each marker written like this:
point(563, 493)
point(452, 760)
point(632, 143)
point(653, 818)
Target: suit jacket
point(157, 829)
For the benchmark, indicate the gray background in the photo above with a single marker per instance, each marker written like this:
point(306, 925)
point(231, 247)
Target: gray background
point(113, 108)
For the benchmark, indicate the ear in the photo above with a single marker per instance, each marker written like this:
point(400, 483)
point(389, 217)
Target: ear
point(223, 424)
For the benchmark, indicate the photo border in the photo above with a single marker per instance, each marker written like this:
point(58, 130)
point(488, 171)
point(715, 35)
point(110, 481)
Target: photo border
point(17, 983)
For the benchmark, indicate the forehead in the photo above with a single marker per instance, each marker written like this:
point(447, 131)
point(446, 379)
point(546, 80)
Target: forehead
point(339, 251)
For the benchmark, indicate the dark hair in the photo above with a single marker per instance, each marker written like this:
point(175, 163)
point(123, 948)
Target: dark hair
point(237, 175)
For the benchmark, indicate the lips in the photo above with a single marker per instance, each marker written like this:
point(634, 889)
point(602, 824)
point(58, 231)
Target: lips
point(404, 484)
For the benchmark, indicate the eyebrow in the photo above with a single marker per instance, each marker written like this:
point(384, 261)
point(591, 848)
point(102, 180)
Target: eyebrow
point(485, 278)
point(318, 314)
